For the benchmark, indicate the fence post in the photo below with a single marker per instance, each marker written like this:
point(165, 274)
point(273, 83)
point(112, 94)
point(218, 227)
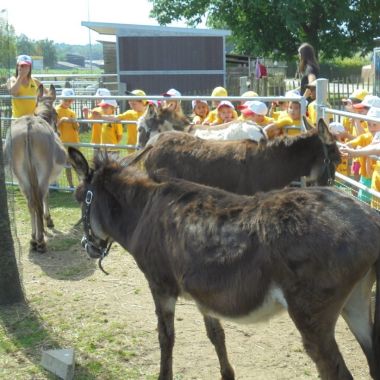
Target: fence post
point(321, 100)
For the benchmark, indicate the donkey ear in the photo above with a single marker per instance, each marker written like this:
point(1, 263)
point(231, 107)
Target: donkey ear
point(307, 123)
point(40, 92)
point(151, 110)
point(324, 133)
point(79, 162)
point(52, 92)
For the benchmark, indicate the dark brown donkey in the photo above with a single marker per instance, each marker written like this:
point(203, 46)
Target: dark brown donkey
point(314, 252)
point(36, 156)
point(245, 167)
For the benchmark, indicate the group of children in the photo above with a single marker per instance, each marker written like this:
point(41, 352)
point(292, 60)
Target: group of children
point(360, 139)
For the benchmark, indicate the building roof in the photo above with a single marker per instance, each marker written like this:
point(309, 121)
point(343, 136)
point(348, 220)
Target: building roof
point(131, 30)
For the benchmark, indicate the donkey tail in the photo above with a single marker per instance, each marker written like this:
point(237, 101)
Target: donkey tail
point(35, 192)
point(376, 326)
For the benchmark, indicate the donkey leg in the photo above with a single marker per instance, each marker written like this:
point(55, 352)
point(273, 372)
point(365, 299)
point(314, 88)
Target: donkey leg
point(165, 307)
point(317, 331)
point(357, 314)
point(216, 335)
point(47, 216)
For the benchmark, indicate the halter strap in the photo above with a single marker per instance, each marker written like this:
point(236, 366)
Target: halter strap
point(88, 240)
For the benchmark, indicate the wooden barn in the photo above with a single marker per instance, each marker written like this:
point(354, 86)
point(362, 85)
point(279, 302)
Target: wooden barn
point(157, 58)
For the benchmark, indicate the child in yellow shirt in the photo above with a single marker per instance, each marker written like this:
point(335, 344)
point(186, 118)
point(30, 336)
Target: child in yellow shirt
point(68, 126)
point(112, 133)
point(289, 123)
point(366, 164)
point(225, 113)
point(212, 117)
point(200, 111)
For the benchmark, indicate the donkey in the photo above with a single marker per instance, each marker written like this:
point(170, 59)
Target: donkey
point(314, 252)
point(163, 119)
point(157, 119)
point(244, 166)
point(36, 156)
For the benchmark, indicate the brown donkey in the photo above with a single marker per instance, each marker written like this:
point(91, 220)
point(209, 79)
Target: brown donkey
point(244, 166)
point(36, 156)
point(314, 252)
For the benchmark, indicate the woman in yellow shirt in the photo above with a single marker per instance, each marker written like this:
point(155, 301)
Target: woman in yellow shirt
point(23, 84)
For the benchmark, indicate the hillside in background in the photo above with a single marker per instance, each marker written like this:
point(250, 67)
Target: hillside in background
point(93, 51)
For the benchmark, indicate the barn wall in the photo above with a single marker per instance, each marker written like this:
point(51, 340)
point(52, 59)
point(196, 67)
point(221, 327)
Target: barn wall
point(157, 63)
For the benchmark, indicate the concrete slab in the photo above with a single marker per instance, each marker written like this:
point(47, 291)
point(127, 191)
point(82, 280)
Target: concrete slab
point(60, 362)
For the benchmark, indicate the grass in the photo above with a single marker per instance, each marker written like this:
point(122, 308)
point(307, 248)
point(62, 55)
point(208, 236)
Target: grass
point(68, 306)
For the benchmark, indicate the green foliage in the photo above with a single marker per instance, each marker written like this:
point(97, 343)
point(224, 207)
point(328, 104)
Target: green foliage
point(12, 45)
point(277, 28)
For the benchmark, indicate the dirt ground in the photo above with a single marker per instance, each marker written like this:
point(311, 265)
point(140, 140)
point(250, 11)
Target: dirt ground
point(76, 300)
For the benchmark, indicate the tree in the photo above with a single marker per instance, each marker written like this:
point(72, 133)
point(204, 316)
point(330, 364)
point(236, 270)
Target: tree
point(277, 27)
point(10, 285)
point(25, 45)
point(47, 50)
point(7, 45)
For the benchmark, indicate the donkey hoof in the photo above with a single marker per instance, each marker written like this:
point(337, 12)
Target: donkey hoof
point(41, 247)
point(33, 244)
point(49, 223)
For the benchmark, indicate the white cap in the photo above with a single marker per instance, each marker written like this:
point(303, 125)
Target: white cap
point(194, 102)
point(67, 92)
point(292, 93)
point(255, 106)
point(225, 103)
point(108, 102)
point(335, 127)
point(172, 92)
point(374, 112)
point(102, 92)
point(368, 101)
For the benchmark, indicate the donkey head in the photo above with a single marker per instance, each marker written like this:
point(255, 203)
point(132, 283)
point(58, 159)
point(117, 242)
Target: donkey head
point(323, 171)
point(159, 119)
point(95, 240)
point(45, 106)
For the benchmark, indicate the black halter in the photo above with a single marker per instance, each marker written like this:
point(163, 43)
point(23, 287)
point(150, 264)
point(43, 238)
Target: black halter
point(88, 241)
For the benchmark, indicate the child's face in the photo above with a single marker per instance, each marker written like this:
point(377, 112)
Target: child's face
point(108, 110)
point(66, 103)
point(137, 105)
point(373, 126)
point(294, 110)
point(362, 111)
point(255, 117)
point(175, 104)
point(201, 109)
point(226, 114)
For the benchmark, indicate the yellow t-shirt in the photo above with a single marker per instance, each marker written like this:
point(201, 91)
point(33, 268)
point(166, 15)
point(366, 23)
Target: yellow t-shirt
point(68, 132)
point(212, 117)
point(312, 113)
point(111, 133)
point(21, 107)
point(375, 185)
point(286, 121)
point(361, 141)
point(198, 119)
point(131, 115)
point(278, 114)
point(96, 129)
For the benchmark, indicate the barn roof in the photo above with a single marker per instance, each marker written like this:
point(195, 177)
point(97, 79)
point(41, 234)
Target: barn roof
point(127, 30)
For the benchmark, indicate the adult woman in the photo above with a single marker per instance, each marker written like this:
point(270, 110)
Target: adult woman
point(308, 67)
point(22, 84)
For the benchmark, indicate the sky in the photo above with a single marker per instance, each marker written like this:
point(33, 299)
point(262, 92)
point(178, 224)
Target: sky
point(60, 21)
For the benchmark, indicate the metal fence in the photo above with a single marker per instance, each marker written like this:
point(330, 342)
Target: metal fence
point(346, 183)
point(370, 196)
